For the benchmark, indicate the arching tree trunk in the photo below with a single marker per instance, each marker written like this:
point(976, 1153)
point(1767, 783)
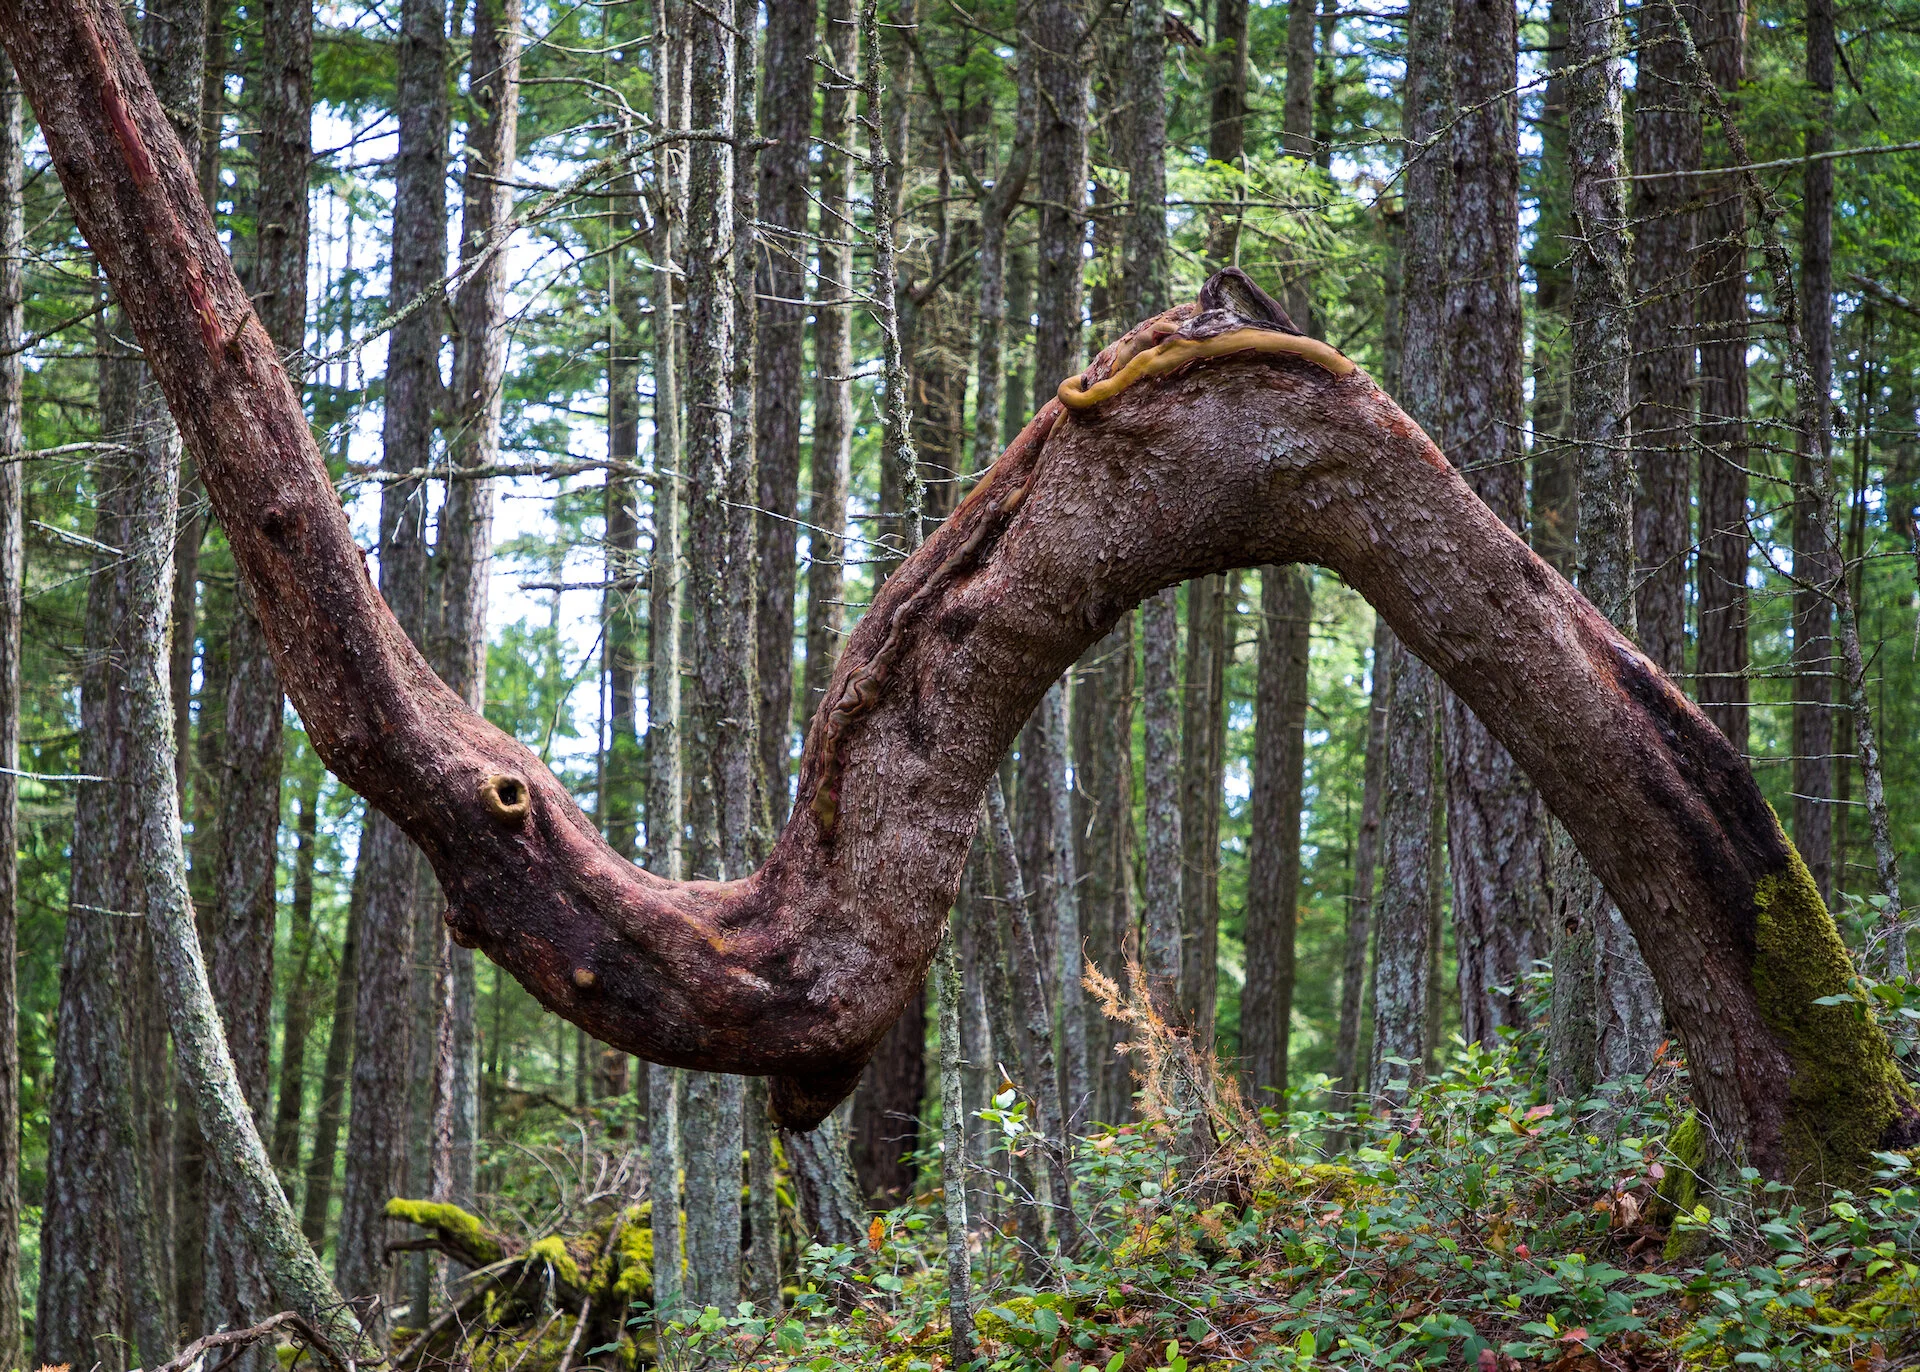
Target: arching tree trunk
point(1207, 439)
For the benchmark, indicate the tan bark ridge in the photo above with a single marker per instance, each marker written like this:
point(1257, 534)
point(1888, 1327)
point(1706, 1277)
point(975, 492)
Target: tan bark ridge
point(1243, 459)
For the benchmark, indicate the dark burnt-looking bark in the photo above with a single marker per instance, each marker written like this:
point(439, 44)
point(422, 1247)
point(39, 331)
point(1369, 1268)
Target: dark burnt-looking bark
point(1496, 827)
point(797, 969)
point(385, 1007)
point(779, 381)
point(1816, 563)
point(13, 567)
point(885, 1126)
point(1273, 863)
point(1666, 139)
point(1720, 570)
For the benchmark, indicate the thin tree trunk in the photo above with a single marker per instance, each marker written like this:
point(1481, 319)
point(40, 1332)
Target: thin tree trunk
point(885, 1125)
point(1720, 661)
point(1551, 516)
point(665, 1085)
point(1402, 958)
point(465, 551)
point(332, 1105)
point(379, 1126)
point(779, 369)
point(1666, 139)
point(762, 1282)
point(290, 1100)
point(240, 1167)
point(1227, 133)
point(1273, 862)
point(1036, 1033)
point(1626, 1014)
point(1347, 1067)
point(241, 954)
point(1202, 760)
point(831, 455)
point(1816, 564)
point(1495, 822)
point(718, 756)
point(13, 572)
point(953, 1157)
point(1103, 828)
point(242, 920)
point(1145, 281)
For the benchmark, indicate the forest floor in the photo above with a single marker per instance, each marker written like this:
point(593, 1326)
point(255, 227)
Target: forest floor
point(1479, 1226)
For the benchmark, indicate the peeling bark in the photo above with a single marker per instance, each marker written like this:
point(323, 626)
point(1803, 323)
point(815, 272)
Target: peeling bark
point(797, 969)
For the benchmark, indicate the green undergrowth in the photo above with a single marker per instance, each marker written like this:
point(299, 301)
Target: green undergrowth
point(1479, 1227)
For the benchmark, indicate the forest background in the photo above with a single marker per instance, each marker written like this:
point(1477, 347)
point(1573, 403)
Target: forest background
point(966, 200)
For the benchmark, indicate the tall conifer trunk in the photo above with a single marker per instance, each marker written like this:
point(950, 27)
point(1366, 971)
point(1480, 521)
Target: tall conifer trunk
point(13, 570)
point(385, 1011)
point(1816, 563)
point(1496, 824)
point(1666, 139)
point(1720, 663)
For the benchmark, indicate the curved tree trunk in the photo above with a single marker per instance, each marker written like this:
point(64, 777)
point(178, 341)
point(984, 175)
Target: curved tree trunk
point(1230, 442)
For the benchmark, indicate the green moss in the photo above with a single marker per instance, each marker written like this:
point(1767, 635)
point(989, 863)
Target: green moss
point(459, 1226)
point(1845, 1090)
point(1679, 1190)
point(502, 1352)
point(552, 1250)
point(633, 1260)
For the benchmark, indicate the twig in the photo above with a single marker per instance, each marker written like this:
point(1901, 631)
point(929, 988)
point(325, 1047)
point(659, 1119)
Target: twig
point(246, 1338)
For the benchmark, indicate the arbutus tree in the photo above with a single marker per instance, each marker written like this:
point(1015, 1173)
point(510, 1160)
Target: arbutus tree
point(1210, 437)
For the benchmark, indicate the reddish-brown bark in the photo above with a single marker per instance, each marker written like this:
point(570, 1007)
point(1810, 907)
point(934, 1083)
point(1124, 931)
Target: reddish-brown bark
point(797, 970)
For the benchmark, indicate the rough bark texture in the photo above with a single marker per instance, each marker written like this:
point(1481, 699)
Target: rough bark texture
point(290, 1096)
point(797, 969)
point(1720, 661)
point(1202, 759)
point(1666, 139)
point(331, 1108)
point(1060, 185)
point(1103, 825)
point(1273, 862)
point(1626, 1013)
point(1347, 1067)
point(886, 1110)
point(13, 570)
point(1495, 823)
point(1402, 961)
point(378, 1127)
point(1816, 563)
point(1227, 133)
point(779, 367)
point(830, 456)
point(241, 955)
point(465, 550)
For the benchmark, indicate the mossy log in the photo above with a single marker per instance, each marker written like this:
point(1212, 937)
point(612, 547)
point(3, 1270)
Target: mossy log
point(516, 1291)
